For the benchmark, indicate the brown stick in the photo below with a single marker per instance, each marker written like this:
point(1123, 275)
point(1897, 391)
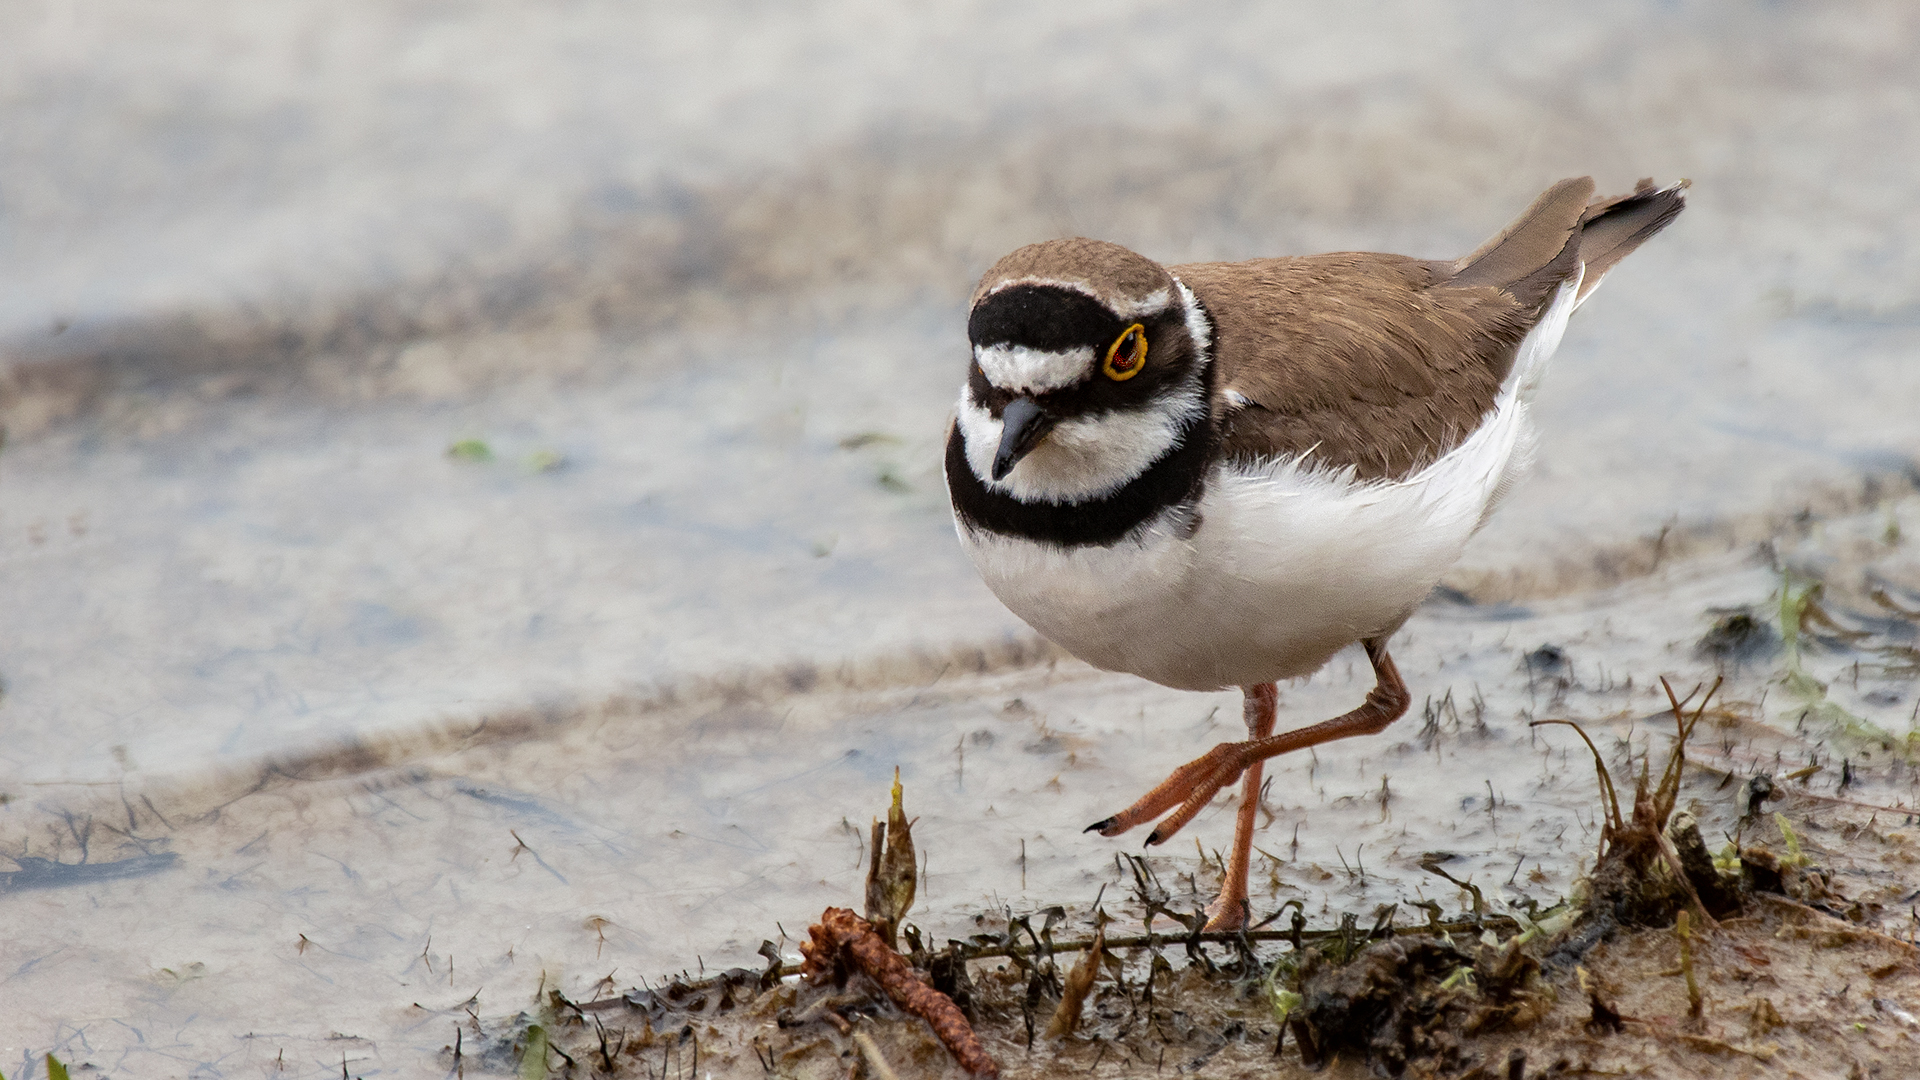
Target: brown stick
point(841, 930)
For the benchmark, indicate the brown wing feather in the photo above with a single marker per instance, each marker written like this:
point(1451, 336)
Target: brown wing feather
point(1383, 363)
point(1358, 357)
point(1532, 256)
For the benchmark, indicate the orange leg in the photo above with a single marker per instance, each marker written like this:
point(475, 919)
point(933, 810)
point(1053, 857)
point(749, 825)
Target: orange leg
point(1230, 910)
point(1193, 785)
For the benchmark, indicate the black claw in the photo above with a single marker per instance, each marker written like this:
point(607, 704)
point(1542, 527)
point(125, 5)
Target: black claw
point(1152, 838)
point(1099, 826)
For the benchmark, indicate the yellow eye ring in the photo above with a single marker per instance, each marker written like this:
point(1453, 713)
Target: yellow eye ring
point(1127, 355)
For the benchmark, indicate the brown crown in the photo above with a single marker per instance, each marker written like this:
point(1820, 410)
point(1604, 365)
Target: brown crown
point(1111, 274)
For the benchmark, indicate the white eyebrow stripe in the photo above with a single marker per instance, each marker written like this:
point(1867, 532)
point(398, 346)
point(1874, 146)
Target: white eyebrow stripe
point(1032, 371)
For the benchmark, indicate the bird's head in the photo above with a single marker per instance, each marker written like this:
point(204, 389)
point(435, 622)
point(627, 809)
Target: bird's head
point(1089, 364)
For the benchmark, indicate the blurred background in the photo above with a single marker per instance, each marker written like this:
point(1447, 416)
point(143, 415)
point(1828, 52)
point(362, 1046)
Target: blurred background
point(372, 372)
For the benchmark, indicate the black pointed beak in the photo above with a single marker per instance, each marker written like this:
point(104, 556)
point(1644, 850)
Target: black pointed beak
point(1022, 425)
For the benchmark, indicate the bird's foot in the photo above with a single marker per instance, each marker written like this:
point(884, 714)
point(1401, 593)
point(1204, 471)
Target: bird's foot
point(1228, 913)
point(1191, 787)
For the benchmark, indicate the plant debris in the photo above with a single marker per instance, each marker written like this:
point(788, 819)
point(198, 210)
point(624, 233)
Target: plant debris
point(1625, 888)
point(841, 937)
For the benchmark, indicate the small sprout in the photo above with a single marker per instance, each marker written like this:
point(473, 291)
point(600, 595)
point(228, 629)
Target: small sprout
point(533, 1063)
point(1727, 861)
point(1793, 608)
point(1795, 857)
point(1798, 610)
point(1461, 978)
point(470, 450)
point(56, 1070)
point(546, 461)
point(1283, 1002)
point(1538, 928)
point(892, 869)
point(1695, 1003)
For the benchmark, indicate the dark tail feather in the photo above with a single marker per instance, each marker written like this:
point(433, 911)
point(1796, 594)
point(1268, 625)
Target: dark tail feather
point(1532, 256)
point(1611, 228)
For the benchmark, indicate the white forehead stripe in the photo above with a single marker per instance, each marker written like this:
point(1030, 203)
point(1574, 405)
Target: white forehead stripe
point(1151, 304)
point(1031, 371)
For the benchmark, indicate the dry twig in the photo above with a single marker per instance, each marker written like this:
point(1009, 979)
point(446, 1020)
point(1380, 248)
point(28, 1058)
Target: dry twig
point(1073, 997)
point(876, 1062)
point(1840, 926)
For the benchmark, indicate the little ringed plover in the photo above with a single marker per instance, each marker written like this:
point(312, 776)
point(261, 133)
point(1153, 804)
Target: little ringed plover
point(1221, 474)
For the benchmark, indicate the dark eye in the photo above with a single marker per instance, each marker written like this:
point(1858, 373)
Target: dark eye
point(1127, 355)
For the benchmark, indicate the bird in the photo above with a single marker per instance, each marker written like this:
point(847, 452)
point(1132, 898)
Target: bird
point(1219, 475)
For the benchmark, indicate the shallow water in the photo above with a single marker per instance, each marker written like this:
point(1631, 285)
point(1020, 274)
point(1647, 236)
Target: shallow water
point(642, 675)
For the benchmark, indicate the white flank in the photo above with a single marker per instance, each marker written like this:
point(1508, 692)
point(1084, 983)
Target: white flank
point(1289, 563)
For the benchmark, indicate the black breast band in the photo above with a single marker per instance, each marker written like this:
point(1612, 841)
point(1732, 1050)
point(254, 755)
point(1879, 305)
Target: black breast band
point(1176, 479)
